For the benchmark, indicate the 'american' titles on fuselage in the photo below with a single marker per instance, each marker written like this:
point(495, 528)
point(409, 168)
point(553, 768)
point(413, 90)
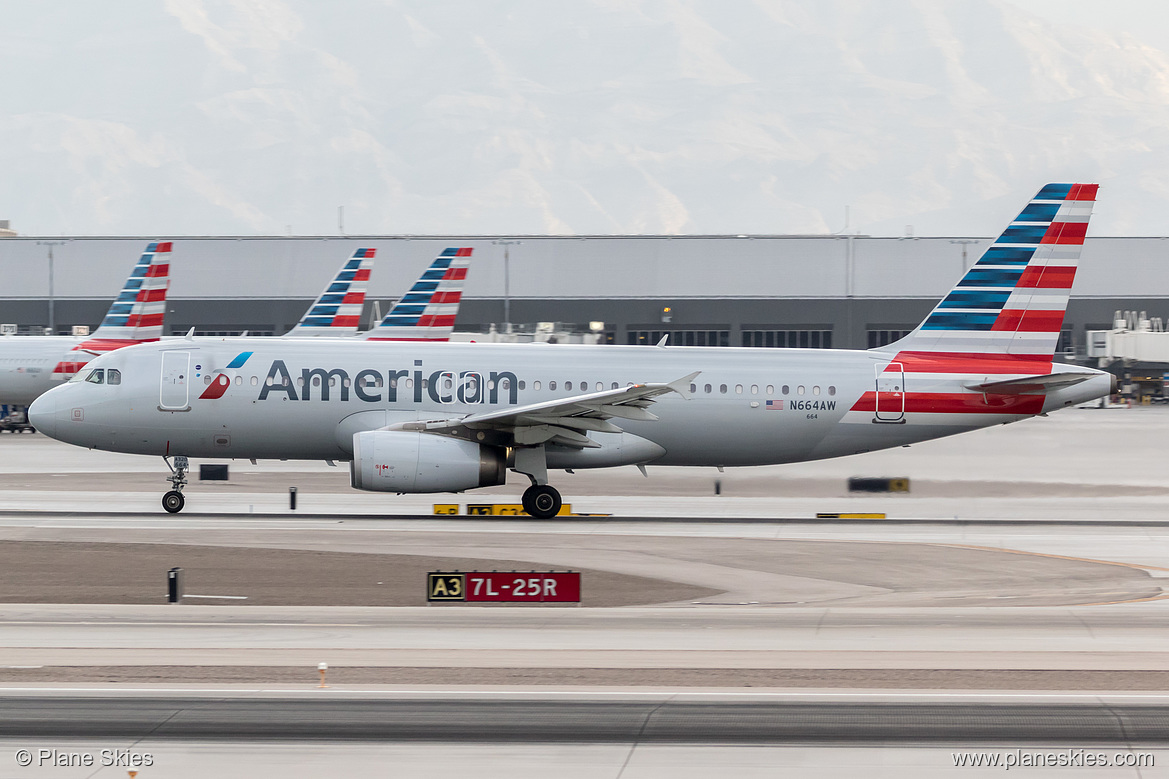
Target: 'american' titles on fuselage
point(371, 385)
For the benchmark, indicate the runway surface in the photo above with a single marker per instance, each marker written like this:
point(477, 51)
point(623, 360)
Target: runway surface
point(1019, 596)
point(583, 721)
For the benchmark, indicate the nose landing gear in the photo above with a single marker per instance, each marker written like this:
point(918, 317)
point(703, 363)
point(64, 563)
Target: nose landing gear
point(173, 500)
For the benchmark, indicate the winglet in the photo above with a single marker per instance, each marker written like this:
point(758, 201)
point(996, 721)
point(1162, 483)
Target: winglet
point(190, 336)
point(662, 343)
point(682, 385)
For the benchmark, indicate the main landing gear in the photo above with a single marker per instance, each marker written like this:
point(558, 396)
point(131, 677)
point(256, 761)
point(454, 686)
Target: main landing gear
point(541, 500)
point(173, 500)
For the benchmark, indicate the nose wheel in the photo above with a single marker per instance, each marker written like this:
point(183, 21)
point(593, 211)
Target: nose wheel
point(541, 501)
point(173, 500)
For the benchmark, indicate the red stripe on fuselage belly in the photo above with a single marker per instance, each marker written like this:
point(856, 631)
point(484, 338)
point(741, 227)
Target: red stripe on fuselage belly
point(957, 403)
point(974, 363)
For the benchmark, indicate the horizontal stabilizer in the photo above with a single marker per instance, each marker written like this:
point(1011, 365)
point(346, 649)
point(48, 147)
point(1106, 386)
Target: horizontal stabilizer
point(1031, 385)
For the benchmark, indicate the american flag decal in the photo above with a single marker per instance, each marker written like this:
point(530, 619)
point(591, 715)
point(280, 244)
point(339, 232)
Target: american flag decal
point(774, 405)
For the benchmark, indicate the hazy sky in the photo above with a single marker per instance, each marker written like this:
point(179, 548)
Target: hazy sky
point(1145, 20)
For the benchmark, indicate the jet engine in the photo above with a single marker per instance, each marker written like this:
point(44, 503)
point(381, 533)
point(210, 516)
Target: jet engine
point(396, 461)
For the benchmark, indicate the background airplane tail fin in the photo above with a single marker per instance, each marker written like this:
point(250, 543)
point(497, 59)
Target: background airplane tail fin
point(337, 312)
point(1012, 301)
point(427, 312)
point(136, 314)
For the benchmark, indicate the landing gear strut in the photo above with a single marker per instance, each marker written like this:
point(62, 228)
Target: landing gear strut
point(541, 500)
point(173, 500)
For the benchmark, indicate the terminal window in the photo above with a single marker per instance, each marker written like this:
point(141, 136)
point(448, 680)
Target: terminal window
point(878, 338)
point(790, 339)
point(680, 337)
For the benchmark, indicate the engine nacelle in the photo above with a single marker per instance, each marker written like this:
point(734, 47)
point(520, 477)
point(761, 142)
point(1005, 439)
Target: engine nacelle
point(395, 461)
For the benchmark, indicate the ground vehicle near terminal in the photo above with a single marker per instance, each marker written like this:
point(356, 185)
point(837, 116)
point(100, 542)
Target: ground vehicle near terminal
point(418, 417)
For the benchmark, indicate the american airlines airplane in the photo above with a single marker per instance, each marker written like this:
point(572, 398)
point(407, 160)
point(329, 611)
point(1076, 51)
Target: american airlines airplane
point(422, 418)
point(31, 365)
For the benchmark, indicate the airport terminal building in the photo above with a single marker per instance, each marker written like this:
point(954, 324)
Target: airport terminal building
point(761, 291)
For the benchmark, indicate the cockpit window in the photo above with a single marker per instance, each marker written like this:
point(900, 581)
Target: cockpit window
point(113, 376)
point(96, 376)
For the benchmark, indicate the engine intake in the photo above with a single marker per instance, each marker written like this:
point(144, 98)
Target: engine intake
point(395, 461)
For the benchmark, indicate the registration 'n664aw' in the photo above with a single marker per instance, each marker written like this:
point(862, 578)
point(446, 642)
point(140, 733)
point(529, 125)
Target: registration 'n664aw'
point(419, 417)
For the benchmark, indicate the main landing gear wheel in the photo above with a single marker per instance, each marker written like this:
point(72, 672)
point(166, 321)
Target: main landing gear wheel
point(541, 501)
point(173, 501)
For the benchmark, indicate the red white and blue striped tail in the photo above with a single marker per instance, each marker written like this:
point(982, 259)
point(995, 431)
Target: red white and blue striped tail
point(1012, 301)
point(136, 314)
point(427, 312)
point(337, 312)
point(134, 317)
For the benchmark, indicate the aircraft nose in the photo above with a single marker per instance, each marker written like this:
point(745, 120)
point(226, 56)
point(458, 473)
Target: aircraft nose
point(42, 414)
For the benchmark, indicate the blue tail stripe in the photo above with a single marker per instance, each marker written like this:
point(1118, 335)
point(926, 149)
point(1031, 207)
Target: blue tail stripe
point(1039, 212)
point(991, 277)
point(976, 299)
point(1002, 255)
point(960, 321)
point(1054, 192)
point(1023, 234)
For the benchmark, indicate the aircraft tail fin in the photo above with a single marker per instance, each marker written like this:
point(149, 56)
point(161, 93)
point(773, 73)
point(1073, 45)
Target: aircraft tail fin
point(1012, 301)
point(427, 312)
point(136, 314)
point(337, 312)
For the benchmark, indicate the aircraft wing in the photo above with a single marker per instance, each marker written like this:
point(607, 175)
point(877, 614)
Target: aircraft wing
point(565, 421)
point(1031, 385)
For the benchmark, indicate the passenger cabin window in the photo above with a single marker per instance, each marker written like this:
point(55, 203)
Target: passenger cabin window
point(96, 376)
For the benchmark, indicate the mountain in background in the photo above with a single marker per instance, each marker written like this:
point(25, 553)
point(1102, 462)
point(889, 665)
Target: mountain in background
point(174, 117)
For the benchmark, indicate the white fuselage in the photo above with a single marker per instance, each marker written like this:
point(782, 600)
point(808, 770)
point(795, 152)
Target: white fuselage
point(27, 365)
point(289, 399)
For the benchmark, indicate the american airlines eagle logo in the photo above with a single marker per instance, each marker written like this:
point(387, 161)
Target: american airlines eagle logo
point(220, 381)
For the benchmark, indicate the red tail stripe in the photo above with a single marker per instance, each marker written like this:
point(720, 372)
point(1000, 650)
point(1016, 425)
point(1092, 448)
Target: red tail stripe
point(954, 403)
point(346, 321)
point(162, 247)
point(1065, 233)
point(362, 274)
point(151, 295)
point(455, 274)
point(145, 320)
point(157, 271)
point(1023, 321)
point(465, 252)
point(1083, 192)
point(444, 320)
point(446, 297)
point(1047, 277)
point(353, 297)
